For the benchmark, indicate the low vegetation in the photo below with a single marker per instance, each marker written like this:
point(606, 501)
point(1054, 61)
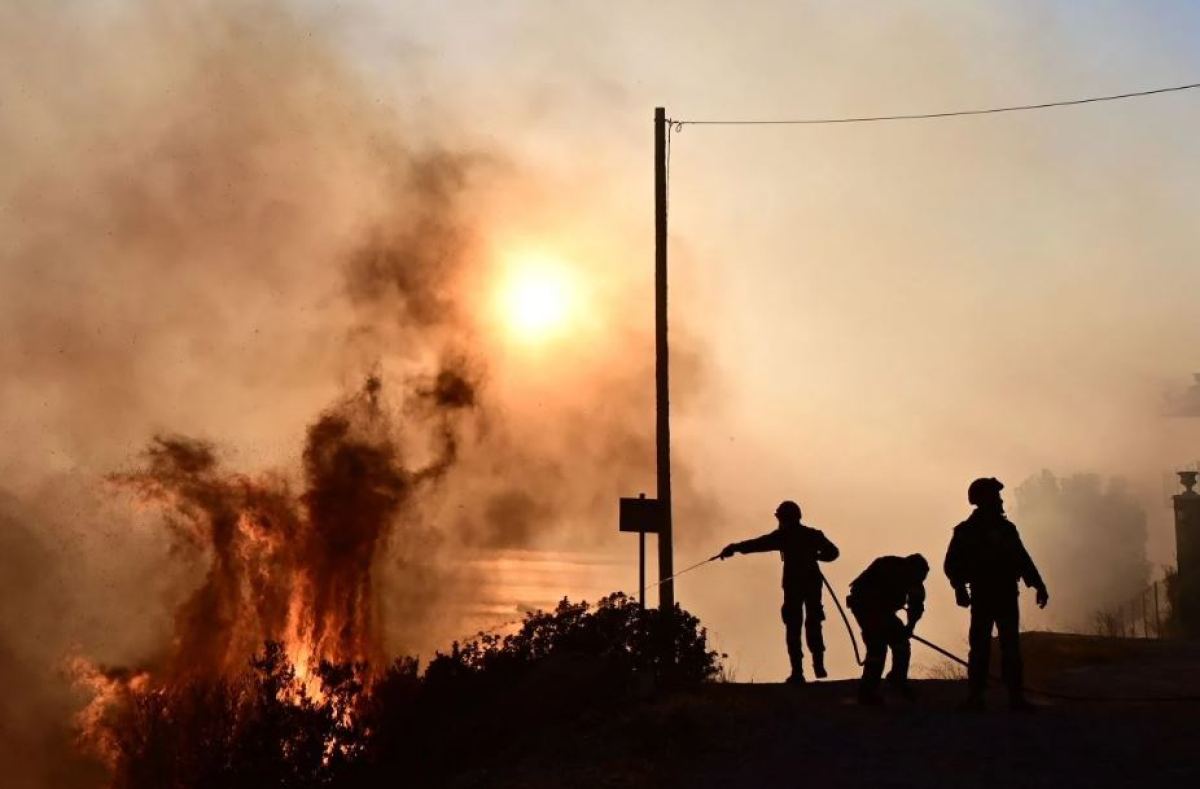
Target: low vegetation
point(264, 728)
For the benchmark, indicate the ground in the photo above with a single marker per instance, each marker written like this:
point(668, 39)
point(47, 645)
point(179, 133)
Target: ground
point(765, 735)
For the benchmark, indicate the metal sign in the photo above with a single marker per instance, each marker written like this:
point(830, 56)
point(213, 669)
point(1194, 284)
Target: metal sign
point(641, 515)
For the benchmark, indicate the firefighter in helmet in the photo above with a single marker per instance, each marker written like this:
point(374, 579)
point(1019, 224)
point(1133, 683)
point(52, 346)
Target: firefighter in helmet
point(800, 548)
point(984, 563)
point(887, 585)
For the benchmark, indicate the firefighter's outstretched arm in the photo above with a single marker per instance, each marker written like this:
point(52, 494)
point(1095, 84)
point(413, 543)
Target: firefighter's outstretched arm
point(767, 542)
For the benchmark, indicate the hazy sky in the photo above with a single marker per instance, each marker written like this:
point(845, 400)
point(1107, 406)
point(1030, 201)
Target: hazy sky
point(873, 315)
point(888, 310)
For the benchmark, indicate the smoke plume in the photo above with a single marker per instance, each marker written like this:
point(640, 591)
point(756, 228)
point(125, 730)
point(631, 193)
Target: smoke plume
point(1065, 518)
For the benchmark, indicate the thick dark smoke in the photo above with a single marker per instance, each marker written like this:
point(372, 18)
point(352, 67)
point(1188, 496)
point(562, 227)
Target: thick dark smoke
point(408, 263)
point(297, 567)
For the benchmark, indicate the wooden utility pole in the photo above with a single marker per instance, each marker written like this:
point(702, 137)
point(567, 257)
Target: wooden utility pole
point(666, 591)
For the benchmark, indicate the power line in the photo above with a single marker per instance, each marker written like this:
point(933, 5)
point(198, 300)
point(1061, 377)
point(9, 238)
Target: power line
point(679, 124)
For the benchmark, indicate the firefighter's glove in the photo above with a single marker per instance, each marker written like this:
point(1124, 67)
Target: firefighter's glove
point(1043, 597)
point(962, 596)
point(727, 552)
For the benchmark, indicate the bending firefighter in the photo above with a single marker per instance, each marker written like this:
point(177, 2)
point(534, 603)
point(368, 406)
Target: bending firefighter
point(985, 561)
point(800, 548)
point(889, 584)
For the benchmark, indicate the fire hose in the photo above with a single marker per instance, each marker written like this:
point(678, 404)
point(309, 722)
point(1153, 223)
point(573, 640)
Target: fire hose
point(661, 581)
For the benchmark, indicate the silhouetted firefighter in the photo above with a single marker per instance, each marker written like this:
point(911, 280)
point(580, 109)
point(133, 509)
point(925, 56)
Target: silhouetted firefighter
point(801, 548)
point(889, 584)
point(985, 561)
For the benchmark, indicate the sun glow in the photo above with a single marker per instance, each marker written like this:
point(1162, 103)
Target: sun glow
point(536, 298)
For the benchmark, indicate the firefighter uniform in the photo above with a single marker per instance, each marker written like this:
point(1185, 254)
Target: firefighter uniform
point(887, 585)
point(985, 561)
point(800, 548)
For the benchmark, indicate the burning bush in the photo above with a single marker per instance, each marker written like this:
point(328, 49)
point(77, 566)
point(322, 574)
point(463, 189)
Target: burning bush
point(259, 728)
point(268, 726)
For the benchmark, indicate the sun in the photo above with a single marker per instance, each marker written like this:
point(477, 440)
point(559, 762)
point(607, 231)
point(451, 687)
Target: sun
point(536, 297)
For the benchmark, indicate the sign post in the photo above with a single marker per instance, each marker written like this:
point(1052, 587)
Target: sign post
point(641, 515)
